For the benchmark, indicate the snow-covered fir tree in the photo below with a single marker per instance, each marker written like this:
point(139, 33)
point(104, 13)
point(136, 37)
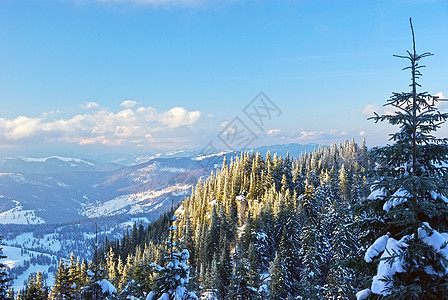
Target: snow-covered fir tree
point(35, 288)
point(4, 278)
point(410, 216)
point(174, 276)
point(64, 286)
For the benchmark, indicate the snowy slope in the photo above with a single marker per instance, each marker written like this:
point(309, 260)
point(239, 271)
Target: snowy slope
point(18, 215)
point(146, 201)
point(16, 258)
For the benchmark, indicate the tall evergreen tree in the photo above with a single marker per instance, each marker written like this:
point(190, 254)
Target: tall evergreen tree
point(410, 198)
point(63, 286)
point(4, 278)
point(36, 288)
point(175, 274)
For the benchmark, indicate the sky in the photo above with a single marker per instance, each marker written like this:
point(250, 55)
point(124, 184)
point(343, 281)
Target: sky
point(89, 77)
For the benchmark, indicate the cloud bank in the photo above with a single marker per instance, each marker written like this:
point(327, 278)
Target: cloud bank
point(131, 125)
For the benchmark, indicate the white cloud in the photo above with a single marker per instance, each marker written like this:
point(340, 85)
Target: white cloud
point(440, 95)
point(18, 128)
point(179, 116)
point(369, 110)
point(313, 136)
point(273, 132)
point(131, 125)
point(90, 105)
point(129, 103)
point(310, 135)
point(442, 105)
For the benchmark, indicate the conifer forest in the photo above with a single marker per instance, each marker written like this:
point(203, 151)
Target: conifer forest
point(341, 222)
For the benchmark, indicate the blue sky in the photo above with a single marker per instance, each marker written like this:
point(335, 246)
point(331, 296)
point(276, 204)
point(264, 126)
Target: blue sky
point(85, 77)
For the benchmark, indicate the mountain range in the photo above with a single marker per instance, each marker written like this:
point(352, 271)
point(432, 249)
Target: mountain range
point(59, 189)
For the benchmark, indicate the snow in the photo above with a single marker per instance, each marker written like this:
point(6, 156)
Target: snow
point(172, 169)
point(150, 296)
point(15, 258)
point(435, 195)
point(438, 241)
point(378, 193)
point(17, 177)
point(262, 236)
point(185, 254)
point(400, 196)
point(376, 248)
point(164, 297)
point(64, 159)
point(180, 193)
point(107, 287)
point(28, 241)
point(211, 155)
point(131, 203)
point(18, 215)
point(142, 220)
point(180, 293)
point(171, 153)
point(389, 265)
point(209, 295)
point(56, 182)
point(361, 295)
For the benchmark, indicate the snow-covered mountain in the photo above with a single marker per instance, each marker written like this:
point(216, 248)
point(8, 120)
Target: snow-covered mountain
point(50, 207)
point(58, 189)
point(52, 165)
point(140, 158)
point(83, 189)
point(293, 149)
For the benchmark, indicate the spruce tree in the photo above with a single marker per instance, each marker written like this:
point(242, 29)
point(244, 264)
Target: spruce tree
point(35, 288)
point(63, 285)
point(409, 194)
point(4, 279)
point(175, 274)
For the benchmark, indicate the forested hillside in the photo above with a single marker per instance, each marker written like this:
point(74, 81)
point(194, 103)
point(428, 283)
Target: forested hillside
point(276, 226)
point(259, 226)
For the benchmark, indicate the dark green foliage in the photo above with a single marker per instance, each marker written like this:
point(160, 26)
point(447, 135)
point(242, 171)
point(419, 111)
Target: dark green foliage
point(258, 228)
point(63, 284)
point(285, 232)
point(174, 275)
point(409, 190)
point(35, 288)
point(4, 278)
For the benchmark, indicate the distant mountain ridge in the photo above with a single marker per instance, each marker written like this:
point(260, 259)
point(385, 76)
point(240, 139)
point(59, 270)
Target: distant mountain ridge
point(294, 150)
point(52, 165)
point(58, 189)
point(81, 191)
